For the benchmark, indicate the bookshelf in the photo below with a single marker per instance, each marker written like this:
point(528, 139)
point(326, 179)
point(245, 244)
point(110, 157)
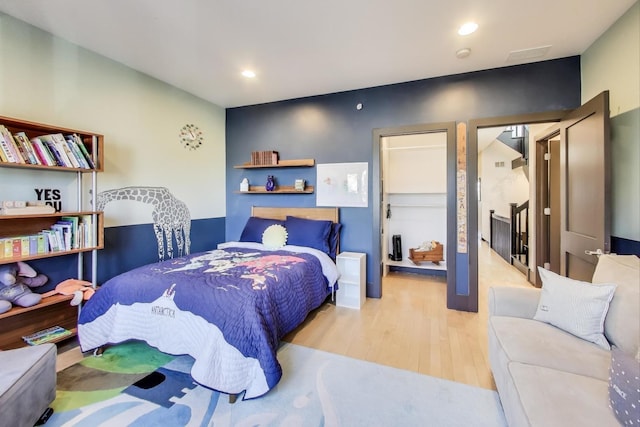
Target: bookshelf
point(296, 163)
point(53, 310)
point(280, 189)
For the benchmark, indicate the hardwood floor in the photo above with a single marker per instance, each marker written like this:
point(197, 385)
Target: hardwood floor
point(408, 328)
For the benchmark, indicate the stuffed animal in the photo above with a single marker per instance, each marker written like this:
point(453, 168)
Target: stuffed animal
point(80, 289)
point(16, 281)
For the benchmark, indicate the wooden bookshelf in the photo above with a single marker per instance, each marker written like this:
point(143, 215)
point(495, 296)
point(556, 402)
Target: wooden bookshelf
point(280, 189)
point(54, 310)
point(281, 164)
point(22, 321)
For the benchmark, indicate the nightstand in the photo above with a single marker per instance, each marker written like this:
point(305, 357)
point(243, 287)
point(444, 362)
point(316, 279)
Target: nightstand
point(351, 284)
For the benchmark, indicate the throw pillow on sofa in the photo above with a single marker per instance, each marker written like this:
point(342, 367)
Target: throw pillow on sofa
point(624, 387)
point(574, 306)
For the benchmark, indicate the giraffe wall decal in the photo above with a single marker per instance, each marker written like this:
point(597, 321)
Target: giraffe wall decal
point(171, 217)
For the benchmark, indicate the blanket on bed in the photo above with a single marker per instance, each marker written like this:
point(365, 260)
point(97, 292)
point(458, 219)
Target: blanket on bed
point(227, 308)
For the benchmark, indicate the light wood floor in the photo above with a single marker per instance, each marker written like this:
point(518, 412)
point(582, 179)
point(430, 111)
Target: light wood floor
point(408, 328)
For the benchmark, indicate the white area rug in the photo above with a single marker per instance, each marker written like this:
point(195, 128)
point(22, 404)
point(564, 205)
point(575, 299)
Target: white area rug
point(317, 389)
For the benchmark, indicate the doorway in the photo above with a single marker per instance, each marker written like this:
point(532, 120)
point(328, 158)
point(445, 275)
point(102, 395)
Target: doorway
point(584, 181)
point(379, 243)
point(475, 128)
point(505, 185)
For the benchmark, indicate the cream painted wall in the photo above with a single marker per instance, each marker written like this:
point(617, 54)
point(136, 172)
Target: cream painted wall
point(46, 79)
point(613, 63)
point(500, 185)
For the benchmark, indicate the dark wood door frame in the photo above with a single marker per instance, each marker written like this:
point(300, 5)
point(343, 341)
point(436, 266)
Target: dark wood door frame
point(377, 189)
point(472, 178)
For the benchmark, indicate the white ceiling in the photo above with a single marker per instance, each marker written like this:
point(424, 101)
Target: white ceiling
point(301, 48)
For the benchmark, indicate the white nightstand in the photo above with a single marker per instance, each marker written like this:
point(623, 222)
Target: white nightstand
point(352, 289)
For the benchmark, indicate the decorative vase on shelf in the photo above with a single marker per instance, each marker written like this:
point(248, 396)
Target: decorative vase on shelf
point(244, 185)
point(271, 184)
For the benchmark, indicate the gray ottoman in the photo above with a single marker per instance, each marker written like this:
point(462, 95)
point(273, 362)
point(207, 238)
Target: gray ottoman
point(27, 384)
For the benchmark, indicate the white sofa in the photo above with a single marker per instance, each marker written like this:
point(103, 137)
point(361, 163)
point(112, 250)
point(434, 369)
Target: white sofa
point(548, 377)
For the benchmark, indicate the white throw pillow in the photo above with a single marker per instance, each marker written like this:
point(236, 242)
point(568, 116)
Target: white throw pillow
point(575, 306)
point(274, 236)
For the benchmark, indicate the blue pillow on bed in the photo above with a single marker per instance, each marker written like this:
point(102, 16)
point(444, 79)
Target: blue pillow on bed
point(334, 239)
point(308, 232)
point(254, 228)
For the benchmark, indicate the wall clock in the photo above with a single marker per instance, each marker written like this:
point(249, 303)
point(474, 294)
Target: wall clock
point(191, 137)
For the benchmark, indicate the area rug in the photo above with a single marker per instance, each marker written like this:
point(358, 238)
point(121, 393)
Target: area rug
point(133, 384)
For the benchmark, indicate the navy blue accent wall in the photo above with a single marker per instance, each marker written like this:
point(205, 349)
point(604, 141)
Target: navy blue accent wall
point(128, 247)
point(330, 129)
point(132, 246)
point(623, 246)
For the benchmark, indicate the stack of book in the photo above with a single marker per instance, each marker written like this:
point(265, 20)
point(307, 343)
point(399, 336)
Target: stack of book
point(48, 150)
point(22, 207)
point(68, 233)
point(47, 335)
point(264, 158)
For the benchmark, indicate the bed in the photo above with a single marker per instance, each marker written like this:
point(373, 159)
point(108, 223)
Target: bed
point(228, 307)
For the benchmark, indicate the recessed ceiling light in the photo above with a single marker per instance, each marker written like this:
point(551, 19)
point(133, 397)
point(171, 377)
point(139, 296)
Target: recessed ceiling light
point(467, 28)
point(249, 74)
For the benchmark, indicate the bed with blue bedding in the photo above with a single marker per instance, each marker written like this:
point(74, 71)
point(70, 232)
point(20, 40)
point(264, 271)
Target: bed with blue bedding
point(228, 308)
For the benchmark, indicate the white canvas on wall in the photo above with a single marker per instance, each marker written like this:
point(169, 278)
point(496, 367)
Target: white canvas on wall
point(342, 184)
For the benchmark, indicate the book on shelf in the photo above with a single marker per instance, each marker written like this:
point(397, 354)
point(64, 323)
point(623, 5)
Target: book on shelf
point(25, 245)
point(264, 158)
point(87, 227)
point(74, 223)
point(27, 150)
point(80, 143)
point(8, 247)
point(59, 159)
point(43, 152)
point(8, 147)
point(75, 150)
point(47, 335)
point(62, 146)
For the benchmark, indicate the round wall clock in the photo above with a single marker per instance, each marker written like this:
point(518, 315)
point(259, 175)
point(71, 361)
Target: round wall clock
point(191, 137)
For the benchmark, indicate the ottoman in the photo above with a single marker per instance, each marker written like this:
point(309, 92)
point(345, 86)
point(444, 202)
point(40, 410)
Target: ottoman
point(27, 384)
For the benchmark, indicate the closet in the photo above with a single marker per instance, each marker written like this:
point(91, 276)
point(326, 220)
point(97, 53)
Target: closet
point(414, 199)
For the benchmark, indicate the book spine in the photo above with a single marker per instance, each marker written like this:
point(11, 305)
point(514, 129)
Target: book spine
point(8, 248)
point(75, 150)
point(16, 247)
point(61, 145)
point(8, 153)
point(13, 147)
point(84, 150)
point(23, 151)
point(25, 245)
point(22, 139)
point(43, 151)
point(57, 157)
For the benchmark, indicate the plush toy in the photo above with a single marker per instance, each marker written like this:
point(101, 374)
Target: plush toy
point(16, 281)
point(80, 289)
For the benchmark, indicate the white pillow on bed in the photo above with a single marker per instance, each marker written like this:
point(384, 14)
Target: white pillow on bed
point(274, 237)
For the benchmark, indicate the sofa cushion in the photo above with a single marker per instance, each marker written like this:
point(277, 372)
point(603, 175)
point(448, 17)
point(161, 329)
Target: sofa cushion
point(536, 343)
point(555, 398)
point(621, 327)
point(27, 383)
point(574, 306)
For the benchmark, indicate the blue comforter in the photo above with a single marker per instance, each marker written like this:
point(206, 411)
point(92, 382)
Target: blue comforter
point(228, 308)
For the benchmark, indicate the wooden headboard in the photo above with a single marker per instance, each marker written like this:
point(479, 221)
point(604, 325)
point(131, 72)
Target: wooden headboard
point(330, 214)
